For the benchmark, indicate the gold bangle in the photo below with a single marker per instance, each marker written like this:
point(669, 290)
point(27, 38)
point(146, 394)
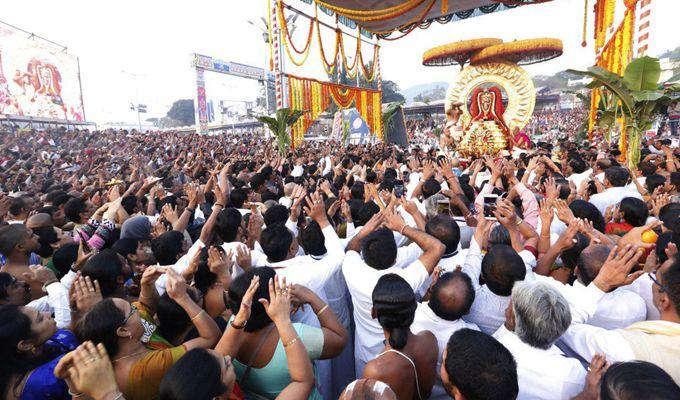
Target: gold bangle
point(292, 342)
point(322, 310)
point(197, 315)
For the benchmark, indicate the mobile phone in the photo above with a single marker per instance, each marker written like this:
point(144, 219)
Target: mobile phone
point(83, 240)
point(399, 188)
point(490, 201)
point(443, 207)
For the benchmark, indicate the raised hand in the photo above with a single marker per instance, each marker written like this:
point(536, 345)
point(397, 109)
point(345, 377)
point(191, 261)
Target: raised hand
point(393, 220)
point(545, 212)
point(315, 209)
point(219, 263)
point(564, 213)
point(278, 305)
point(86, 294)
point(615, 271)
point(374, 223)
point(243, 258)
point(243, 314)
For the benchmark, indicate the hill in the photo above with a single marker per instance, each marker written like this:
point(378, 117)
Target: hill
point(434, 90)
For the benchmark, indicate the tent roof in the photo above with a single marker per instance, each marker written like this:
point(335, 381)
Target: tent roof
point(459, 9)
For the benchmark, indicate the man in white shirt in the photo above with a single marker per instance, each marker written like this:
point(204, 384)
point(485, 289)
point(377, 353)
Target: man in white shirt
point(656, 341)
point(379, 253)
point(537, 316)
point(501, 267)
point(579, 171)
point(615, 181)
point(618, 308)
point(451, 298)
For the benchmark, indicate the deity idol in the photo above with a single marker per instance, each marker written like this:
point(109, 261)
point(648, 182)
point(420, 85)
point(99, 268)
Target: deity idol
point(487, 132)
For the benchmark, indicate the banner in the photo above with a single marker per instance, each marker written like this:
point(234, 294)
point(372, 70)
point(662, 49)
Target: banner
point(37, 78)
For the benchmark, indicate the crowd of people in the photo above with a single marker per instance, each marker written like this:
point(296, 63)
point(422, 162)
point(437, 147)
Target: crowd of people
point(554, 123)
point(186, 267)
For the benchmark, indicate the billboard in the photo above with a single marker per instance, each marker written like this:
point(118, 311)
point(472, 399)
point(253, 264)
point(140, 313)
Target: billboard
point(37, 78)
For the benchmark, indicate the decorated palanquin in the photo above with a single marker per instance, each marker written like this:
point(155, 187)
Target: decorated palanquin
point(498, 96)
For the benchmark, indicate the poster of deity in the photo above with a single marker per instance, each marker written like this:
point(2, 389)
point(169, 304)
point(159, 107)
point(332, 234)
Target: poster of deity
point(37, 79)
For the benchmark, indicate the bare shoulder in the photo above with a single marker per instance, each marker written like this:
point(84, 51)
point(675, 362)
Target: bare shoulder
point(381, 367)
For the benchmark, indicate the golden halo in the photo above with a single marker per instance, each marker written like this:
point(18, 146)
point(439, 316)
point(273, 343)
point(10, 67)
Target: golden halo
point(513, 79)
point(521, 52)
point(457, 52)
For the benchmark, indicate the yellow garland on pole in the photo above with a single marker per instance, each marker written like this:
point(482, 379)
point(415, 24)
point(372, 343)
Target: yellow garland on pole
point(328, 67)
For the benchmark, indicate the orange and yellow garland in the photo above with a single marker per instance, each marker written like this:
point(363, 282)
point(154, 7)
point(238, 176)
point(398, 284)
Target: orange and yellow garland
point(615, 56)
point(604, 19)
point(314, 97)
point(329, 67)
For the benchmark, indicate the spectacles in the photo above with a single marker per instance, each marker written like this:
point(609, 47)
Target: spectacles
point(133, 310)
point(652, 276)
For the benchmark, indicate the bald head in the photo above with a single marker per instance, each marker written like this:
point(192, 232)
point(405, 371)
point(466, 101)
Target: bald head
point(590, 261)
point(452, 296)
point(41, 220)
point(368, 389)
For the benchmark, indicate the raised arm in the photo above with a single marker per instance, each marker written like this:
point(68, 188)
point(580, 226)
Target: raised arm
point(220, 201)
point(432, 248)
point(207, 329)
point(334, 334)
point(231, 341)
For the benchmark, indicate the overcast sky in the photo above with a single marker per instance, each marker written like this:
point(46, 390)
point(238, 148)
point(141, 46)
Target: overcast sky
point(154, 39)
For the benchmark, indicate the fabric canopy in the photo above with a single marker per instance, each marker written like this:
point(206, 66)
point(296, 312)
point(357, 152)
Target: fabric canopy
point(417, 12)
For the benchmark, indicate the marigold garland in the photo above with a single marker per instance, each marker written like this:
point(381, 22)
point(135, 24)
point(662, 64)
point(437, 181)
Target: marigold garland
point(457, 52)
point(413, 23)
point(287, 35)
point(522, 52)
point(313, 98)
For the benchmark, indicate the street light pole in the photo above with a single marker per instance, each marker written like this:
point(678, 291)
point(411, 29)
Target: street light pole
point(139, 118)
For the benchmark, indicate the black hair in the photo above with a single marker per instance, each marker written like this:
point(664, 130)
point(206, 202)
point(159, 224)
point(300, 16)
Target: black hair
point(357, 191)
point(480, 367)
point(238, 197)
point(444, 228)
point(204, 278)
point(125, 246)
point(395, 307)
point(636, 379)
point(258, 316)
point(275, 214)
point(100, 325)
point(617, 176)
point(430, 188)
point(256, 181)
point(366, 212)
point(167, 248)
point(312, 239)
point(634, 211)
point(578, 165)
point(15, 326)
point(46, 237)
point(227, 224)
point(129, 203)
point(64, 257)
point(73, 208)
point(105, 267)
point(275, 241)
point(671, 279)
point(379, 249)
point(172, 319)
point(180, 381)
point(654, 181)
point(570, 256)
point(501, 268)
point(452, 296)
point(586, 210)
point(16, 206)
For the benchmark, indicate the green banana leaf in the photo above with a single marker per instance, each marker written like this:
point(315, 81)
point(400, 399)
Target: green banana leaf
point(642, 74)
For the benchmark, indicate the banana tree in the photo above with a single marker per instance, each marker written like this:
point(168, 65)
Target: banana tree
point(639, 94)
point(285, 117)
